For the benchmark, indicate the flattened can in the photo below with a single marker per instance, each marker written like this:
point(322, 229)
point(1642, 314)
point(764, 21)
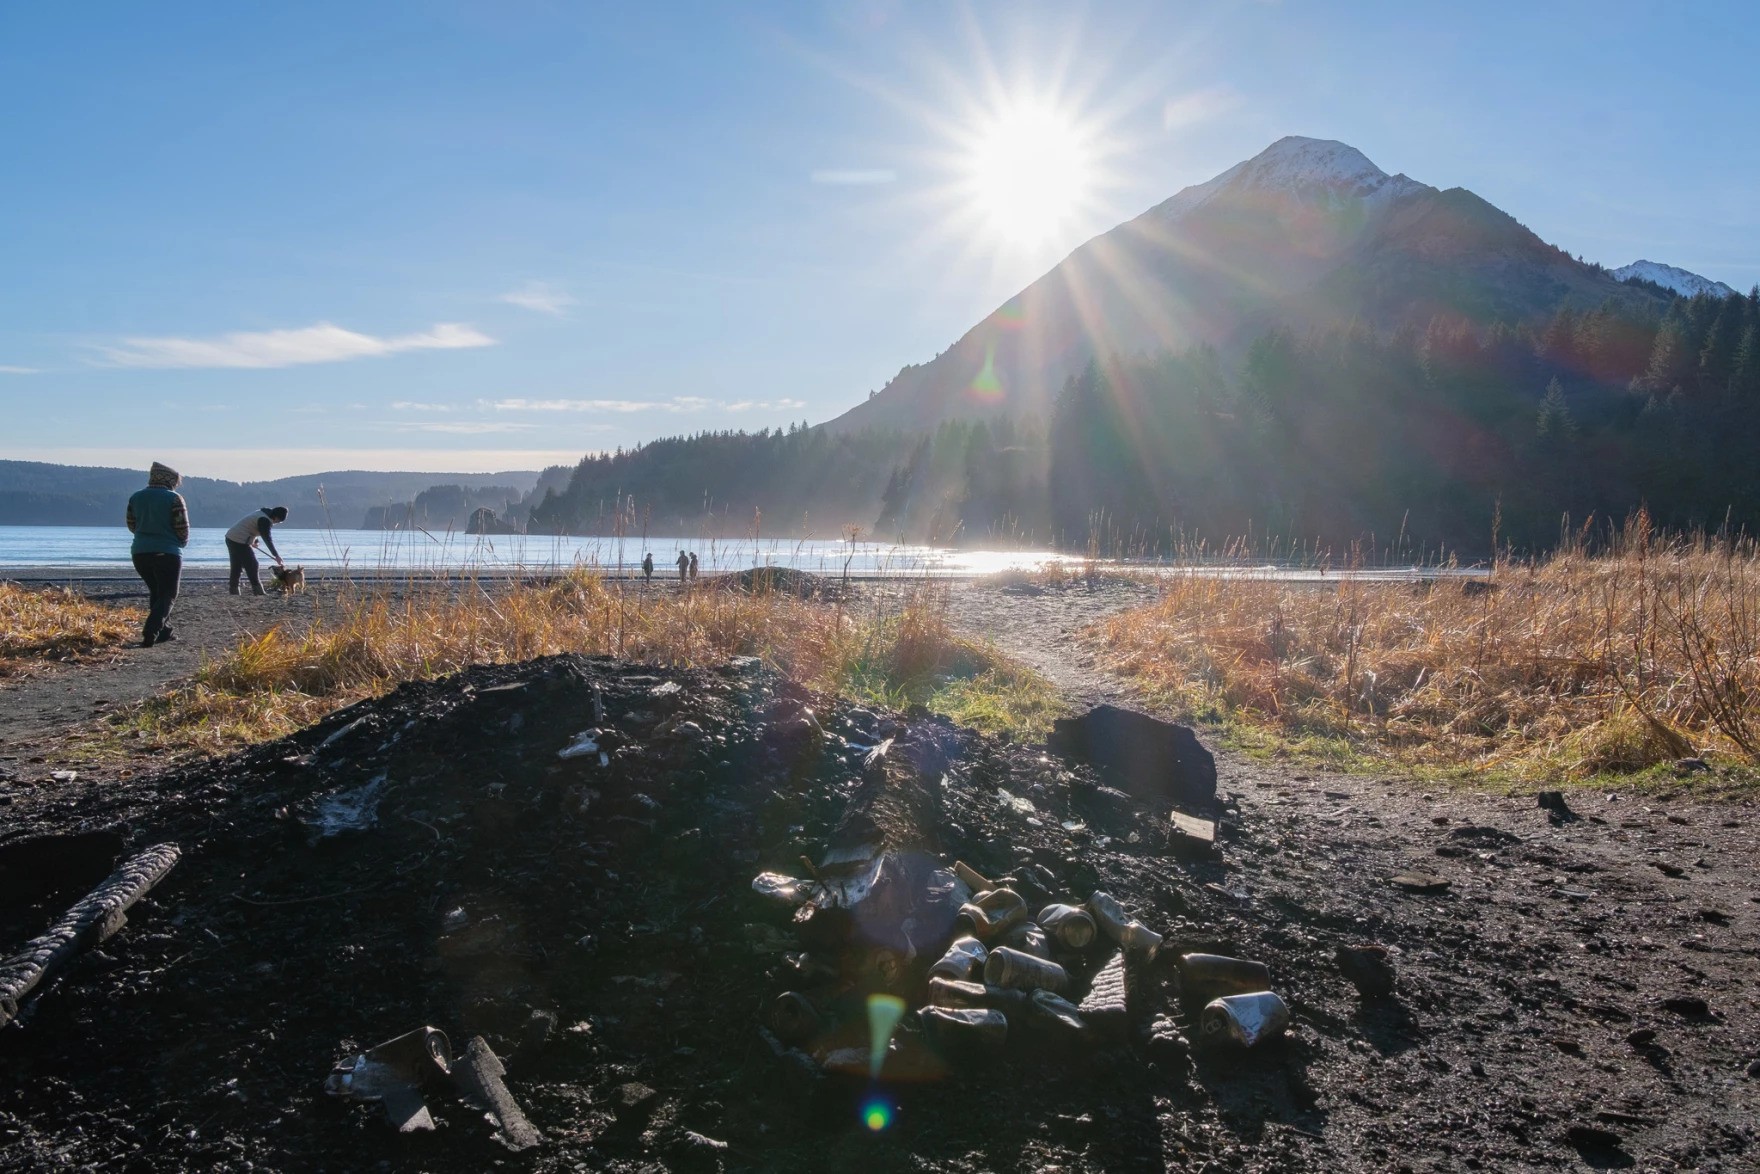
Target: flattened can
point(994, 913)
point(948, 992)
point(1023, 972)
point(1203, 977)
point(968, 1030)
point(1110, 916)
point(1068, 926)
point(1028, 938)
point(1245, 1020)
point(963, 961)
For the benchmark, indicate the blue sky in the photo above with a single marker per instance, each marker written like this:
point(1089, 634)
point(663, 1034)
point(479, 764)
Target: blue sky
point(265, 239)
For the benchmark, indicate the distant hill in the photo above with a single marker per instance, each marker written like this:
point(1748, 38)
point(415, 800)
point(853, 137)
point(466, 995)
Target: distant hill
point(36, 493)
point(1307, 235)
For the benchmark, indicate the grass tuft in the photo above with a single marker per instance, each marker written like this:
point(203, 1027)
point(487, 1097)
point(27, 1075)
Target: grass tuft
point(54, 624)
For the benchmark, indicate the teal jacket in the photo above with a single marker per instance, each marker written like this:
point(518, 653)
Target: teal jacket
point(158, 520)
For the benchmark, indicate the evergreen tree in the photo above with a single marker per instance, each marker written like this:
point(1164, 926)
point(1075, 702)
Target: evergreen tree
point(1672, 358)
point(1553, 425)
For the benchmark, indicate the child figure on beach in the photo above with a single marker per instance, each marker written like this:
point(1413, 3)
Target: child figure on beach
point(648, 566)
point(241, 542)
point(693, 566)
point(159, 521)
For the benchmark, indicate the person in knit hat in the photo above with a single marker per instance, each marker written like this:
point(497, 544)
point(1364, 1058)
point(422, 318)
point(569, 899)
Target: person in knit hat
point(159, 521)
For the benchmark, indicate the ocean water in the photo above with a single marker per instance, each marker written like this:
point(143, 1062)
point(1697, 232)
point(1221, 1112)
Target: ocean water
point(367, 551)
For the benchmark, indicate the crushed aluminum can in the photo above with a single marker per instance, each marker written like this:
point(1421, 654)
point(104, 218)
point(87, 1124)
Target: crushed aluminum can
point(1068, 926)
point(967, 1030)
point(1246, 1020)
point(394, 1074)
point(1052, 1009)
point(787, 891)
point(1028, 938)
point(793, 1018)
point(1023, 972)
point(1203, 977)
point(1118, 925)
point(956, 994)
point(993, 913)
point(963, 961)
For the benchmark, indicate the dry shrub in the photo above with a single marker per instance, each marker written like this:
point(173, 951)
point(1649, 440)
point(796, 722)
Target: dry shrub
point(272, 684)
point(57, 624)
point(1611, 661)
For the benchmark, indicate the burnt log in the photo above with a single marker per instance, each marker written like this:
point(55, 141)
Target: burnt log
point(1156, 761)
point(94, 918)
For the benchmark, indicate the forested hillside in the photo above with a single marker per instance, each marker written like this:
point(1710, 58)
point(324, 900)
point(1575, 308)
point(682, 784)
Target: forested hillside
point(1421, 439)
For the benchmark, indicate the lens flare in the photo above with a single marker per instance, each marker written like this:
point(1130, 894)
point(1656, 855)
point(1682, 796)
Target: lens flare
point(884, 1012)
point(876, 1115)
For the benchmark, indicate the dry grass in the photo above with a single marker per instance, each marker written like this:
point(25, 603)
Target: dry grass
point(1647, 652)
point(900, 652)
point(56, 624)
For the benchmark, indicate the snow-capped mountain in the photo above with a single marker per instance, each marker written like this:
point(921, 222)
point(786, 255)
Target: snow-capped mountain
point(1308, 234)
point(1682, 281)
point(1301, 167)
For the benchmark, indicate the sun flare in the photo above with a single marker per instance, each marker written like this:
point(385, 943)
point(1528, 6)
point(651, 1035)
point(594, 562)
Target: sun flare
point(1030, 171)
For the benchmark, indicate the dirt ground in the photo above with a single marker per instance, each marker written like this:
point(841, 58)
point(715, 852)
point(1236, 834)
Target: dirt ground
point(1571, 993)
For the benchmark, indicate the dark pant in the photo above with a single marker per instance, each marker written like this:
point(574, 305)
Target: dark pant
point(244, 560)
point(160, 572)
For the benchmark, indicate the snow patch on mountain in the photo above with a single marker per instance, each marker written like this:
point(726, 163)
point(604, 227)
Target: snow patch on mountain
point(1682, 281)
point(1299, 167)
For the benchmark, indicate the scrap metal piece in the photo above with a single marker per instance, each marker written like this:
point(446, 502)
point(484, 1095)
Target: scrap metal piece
point(395, 1073)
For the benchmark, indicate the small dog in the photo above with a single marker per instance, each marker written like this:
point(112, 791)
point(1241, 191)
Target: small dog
point(289, 580)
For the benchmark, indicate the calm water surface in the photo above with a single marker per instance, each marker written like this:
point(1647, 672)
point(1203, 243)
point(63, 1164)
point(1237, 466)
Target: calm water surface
point(102, 548)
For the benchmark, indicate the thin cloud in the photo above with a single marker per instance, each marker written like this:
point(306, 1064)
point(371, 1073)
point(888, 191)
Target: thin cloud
point(20, 371)
point(677, 404)
point(540, 296)
point(765, 405)
point(323, 343)
point(462, 427)
point(404, 405)
point(855, 176)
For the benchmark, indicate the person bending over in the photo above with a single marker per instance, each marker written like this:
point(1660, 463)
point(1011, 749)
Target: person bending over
point(159, 521)
point(241, 543)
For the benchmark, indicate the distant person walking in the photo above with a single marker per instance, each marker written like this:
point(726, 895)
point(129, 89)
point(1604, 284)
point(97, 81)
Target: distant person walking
point(684, 563)
point(159, 521)
point(241, 543)
point(693, 566)
point(648, 566)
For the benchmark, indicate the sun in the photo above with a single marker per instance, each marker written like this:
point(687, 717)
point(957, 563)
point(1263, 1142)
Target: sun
point(1029, 171)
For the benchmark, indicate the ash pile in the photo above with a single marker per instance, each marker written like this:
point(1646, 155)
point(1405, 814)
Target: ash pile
point(513, 911)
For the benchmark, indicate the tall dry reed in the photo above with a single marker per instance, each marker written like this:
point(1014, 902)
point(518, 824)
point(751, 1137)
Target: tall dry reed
point(1644, 651)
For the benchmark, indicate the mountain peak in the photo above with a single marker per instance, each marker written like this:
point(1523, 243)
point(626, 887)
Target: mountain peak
point(1682, 281)
point(1296, 165)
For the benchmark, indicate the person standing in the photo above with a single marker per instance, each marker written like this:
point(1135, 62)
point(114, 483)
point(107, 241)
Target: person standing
point(241, 543)
point(159, 521)
point(648, 566)
point(693, 566)
point(683, 563)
